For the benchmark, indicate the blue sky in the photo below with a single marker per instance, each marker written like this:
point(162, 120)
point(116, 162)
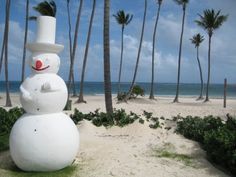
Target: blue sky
point(169, 26)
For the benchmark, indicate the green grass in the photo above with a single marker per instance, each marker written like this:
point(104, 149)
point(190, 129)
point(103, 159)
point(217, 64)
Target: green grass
point(186, 159)
point(66, 172)
point(4, 142)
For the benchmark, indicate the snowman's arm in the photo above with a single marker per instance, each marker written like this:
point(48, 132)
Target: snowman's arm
point(25, 94)
point(47, 87)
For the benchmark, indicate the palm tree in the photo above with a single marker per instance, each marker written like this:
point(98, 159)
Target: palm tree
point(71, 71)
point(3, 47)
point(106, 53)
point(210, 21)
point(81, 94)
point(70, 45)
point(183, 3)
point(123, 20)
point(8, 99)
point(197, 40)
point(25, 40)
point(153, 48)
point(45, 8)
point(139, 51)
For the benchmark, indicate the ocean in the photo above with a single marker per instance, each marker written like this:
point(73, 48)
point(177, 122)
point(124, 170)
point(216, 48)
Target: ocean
point(161, 89)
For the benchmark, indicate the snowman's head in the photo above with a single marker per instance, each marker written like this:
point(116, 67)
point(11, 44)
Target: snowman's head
point(45, 63)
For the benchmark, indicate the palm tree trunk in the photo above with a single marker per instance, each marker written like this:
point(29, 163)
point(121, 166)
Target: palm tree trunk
point(71, 72)
point(81, 94)
point(176, 100)
point(106, 47)
point(209, 69)
point(3, 48)
point(139, 51)
point(200, 71)
point(25, 41)
point(70, 46)
point(121, 58)
point(153, 53)
point(8, 99)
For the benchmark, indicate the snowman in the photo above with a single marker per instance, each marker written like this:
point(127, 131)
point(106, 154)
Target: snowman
point(44, 138)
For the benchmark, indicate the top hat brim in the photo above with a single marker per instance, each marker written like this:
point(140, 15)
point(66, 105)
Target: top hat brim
point(45, 47)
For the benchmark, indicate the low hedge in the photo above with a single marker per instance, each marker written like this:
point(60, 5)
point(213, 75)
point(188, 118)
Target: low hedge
point(218, 138)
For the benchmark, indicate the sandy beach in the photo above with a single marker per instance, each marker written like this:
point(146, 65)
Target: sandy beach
point(132, 150)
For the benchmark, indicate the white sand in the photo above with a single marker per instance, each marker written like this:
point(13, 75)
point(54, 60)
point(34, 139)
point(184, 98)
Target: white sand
point(129, 151)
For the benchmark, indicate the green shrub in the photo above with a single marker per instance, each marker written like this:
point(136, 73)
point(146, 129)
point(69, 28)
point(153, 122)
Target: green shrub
point(137, 91)
point(8, 118)
point(195, 127)
point(217, 138)
point(118, 117)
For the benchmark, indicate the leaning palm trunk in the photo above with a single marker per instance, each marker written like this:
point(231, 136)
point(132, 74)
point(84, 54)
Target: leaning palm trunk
point(70, 46)
point(200, 71)
point(25, 41)
point(71, 72)
point(138, 57)
point(209, 68)
point(106, 47)
point(121, 58)
point(153, 53)
point(179, 61)
point(81, 94)
point(8, 99)
point(3, 48)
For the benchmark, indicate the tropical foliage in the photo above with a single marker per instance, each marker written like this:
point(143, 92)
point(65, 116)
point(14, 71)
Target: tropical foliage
point(122, 19)
point(45, 8)
point(153, 49)
point(210, 21)
point(182, 3)
point(216, 136)
point(197, 40)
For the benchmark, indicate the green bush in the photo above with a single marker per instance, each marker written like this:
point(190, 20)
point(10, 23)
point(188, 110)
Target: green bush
point(195, 127)
point(118, 118)
point(137, 91)
point(8, 118)
point(218, 138)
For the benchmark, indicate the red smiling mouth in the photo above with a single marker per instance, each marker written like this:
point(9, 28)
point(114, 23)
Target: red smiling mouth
point(40, 69)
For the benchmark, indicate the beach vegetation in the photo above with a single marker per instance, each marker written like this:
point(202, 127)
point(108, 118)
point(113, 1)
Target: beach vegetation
point(106, 57)
point(73, 52)
point(70, 43)
point(182, 3)
point(4, 53)
point(25, 40)
point(65, 172)
point(118, 118)
point(210, 21)
point(7, 120)
point(159, 2)
point(217, 137)
point(122, 19)
point(138, 55)
point(81, 93)
point(167, 150)
point(197, 39)
point(45, 8)
point(137, 91)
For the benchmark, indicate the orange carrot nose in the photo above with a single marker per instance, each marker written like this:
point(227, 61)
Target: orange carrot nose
point(38, 64)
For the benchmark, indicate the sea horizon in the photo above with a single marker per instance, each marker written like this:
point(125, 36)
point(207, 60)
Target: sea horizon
point(160, 89)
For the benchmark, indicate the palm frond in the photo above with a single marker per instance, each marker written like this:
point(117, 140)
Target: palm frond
point(122, 18)
point(211, 20)
point(46, 8)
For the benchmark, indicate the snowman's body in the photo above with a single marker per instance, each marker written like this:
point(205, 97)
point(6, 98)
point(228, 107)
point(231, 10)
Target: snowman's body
point(43, 93)
point(44, 139)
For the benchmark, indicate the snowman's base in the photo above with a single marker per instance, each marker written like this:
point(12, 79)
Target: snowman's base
point(45, 142)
